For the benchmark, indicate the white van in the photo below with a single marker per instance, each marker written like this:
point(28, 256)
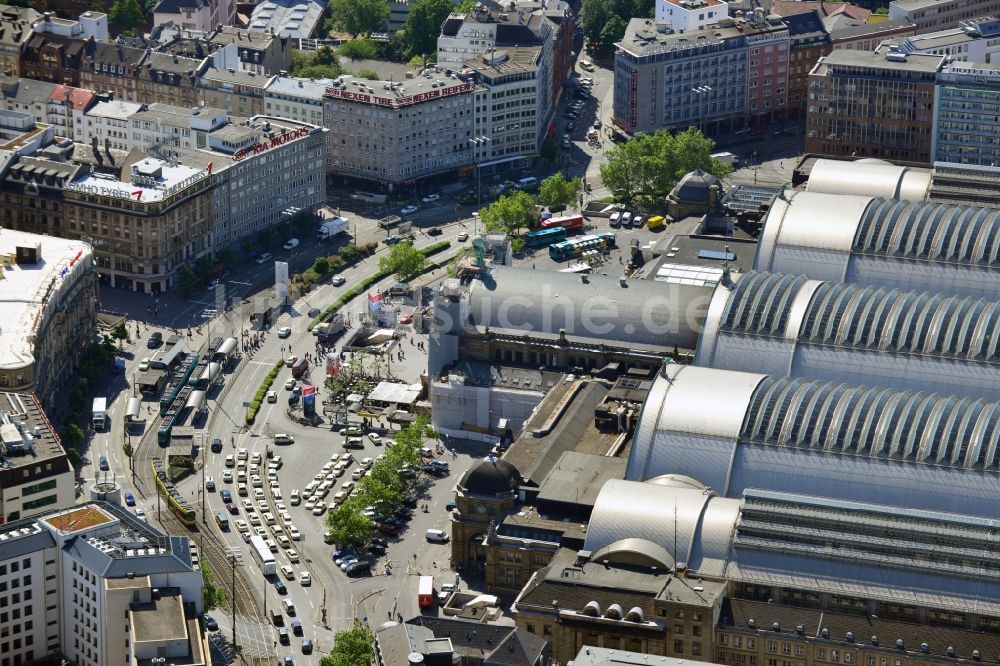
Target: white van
point(528, 184)
point(436, 536)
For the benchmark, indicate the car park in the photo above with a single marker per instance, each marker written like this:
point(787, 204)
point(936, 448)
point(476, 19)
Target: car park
point(284, 332)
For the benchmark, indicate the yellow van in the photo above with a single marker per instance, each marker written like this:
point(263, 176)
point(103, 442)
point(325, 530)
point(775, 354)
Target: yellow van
point(655, 222)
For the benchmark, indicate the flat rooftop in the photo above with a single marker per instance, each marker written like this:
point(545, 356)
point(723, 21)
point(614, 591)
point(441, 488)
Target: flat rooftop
point(77, 519)
point(577, 478)
point(563, 421)
point(171, 179)
point(698, 260)
point(647, 36)
point(45, 444)
point(599, 656)
point(26, 289)
point(159, 620)
point(116, 110)
point(506, 60)
point(478, 373)
point(924, 63)
point(397, 83)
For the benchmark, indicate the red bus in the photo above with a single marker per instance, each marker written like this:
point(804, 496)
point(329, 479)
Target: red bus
point(425, 592)
point(570, 224)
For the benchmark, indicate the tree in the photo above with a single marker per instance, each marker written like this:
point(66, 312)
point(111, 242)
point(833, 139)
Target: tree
point(651, 164)
point(509, 213)
point(369, 74)
point(357, 17)
point(594, 15)
point(382, 492)
point(548, 150)
point(322, 63)
point(358, 49)
point(119, 331)
point(423, 24)
point(213, 596)
point(72, 434)
point(612, 32)
point(74, 456)
point(348, 524)
point(186, 279)
point(557, 190)
point(404, 260)
point(351, 647)
point(321, 265)
point(465, 6)
point(127, 16)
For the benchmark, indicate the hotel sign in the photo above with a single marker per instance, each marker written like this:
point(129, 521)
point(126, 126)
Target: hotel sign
point(365, 98)
point(267, 145)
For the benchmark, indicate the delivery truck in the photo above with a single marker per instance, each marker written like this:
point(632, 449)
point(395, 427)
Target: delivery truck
point(100, 413)
point(331, 228)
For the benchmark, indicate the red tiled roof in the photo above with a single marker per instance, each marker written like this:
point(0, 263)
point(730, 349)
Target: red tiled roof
point(79, 98)
point(790, 7)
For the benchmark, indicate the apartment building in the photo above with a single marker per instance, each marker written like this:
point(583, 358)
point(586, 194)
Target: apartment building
point(933, 15)
point(169, 79)
point(191, 14)
point(808, 42)
point(257, 51)
point(466, 36)
point(15, 29)
point(296, 98)
point(236, 92)
point(967, 114)
point(768, 42)
point(36, 475)
point(61, 107)
point(863, 36)
point(97, 586)
point(111, 69)
point(259, 170)
point(666, 79)
point(878, 104)
point(395, 132)
point(166, 131)
point(108, 123)
point(691, 15)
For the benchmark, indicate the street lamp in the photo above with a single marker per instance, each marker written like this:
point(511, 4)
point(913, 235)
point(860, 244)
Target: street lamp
point(478, 142)
point(235, 557)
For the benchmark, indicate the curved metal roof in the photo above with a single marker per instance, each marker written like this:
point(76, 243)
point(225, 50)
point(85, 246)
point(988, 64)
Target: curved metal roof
point(673, 517)
point(874, 422)
point(760, 303)
point(930, 232)
point(869, 178)
point(901, 322)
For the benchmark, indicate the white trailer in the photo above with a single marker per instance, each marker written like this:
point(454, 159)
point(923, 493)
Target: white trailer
point(331, 228)
point(100, 411)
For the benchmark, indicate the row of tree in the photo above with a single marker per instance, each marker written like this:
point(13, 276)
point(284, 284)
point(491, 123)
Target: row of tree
point(418, 37)
point(604, 21)
point(382, 487)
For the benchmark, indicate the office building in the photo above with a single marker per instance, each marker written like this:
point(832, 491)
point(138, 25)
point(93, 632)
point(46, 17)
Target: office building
point(665, 79)
point(851, 34)
point(296, 98)
point(49, 291)
point(260, 170)
point(293, 19)
point(166, 131)
point(36, 476)
point(970, 41)
point(933, 15)
point(967, 114)
point(398, 130)
point(97, 586)
point(15, 29)
point(808, 41)
point(108, 123)
point(691, 15)
point(878, 104)
point(883, 243)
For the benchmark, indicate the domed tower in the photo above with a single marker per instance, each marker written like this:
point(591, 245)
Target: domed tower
point(483, 495)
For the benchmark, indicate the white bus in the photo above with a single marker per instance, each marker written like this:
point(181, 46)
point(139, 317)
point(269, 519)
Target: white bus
point(263, 555)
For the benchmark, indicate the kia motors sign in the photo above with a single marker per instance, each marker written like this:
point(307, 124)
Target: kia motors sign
point(268, 144)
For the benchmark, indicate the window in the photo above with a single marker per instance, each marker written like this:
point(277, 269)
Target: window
point(679, 647)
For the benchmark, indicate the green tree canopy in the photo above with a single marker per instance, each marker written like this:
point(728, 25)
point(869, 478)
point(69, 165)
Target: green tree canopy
point(351, 647)
point(127, 16)
point(557, 190)
point(651, 164)
point(213, 596)
point(348, 524)
point(612, 32)
point(356, 17)
point(603, 21)
point(404, 260)
point(423, 24)
point(120, 331)
point(509, 213)
point(358, 49)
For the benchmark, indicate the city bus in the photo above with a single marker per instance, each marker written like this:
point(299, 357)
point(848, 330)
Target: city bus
point(568, 249)
point(262, 554)
point(545, 237)
point(425, 591)
point(569, 223)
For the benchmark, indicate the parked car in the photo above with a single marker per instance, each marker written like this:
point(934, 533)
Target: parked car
point(264, 258)
point(284, 332)
point(272, 396)
point(283, 438)
point(144, 365)
point(431, 198)
point(409, 210)
point(210, 623)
